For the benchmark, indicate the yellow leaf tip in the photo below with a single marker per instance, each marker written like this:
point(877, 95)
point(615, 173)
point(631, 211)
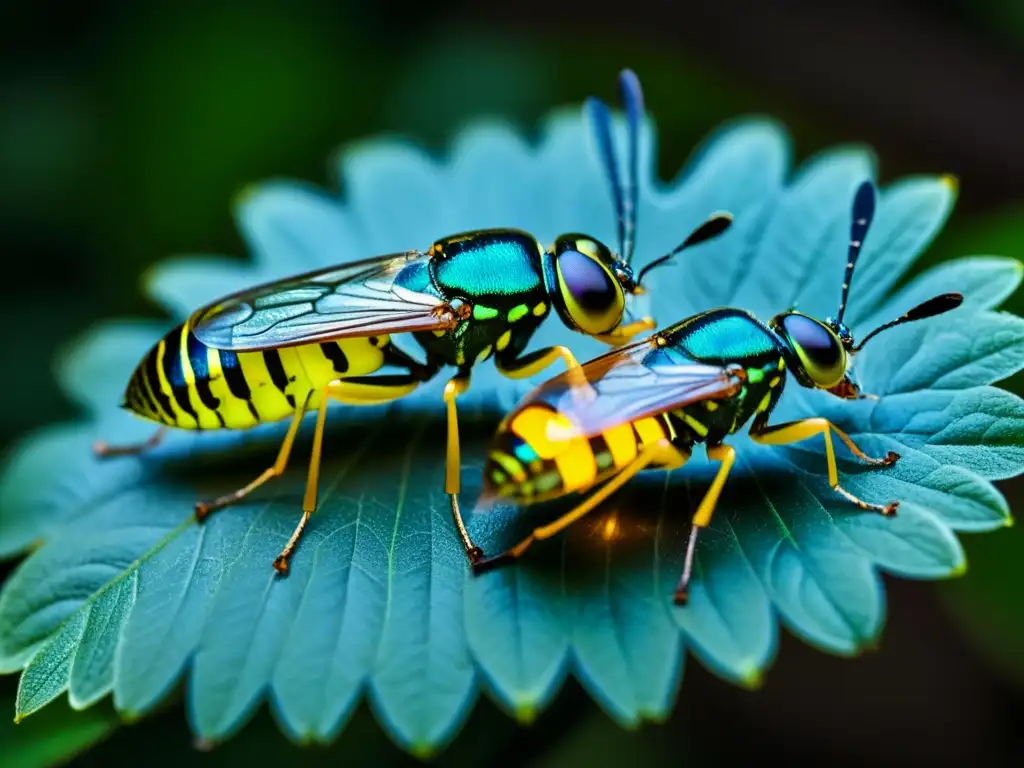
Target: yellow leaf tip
point(423, 751)
point(951, 182)
point(130, 716)
point(1009, 519)
point(525, 713)
point(245, 194)
point(751, 677)
point(959, 569)
point(655, 717)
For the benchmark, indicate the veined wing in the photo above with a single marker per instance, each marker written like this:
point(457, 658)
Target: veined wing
point(630, 383)
point(358, 299)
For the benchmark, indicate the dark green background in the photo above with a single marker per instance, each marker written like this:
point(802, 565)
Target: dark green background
point(125, 131)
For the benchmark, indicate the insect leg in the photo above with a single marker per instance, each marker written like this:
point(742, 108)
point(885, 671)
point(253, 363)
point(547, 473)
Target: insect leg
point(453, 463)
point(309, 499)
point(794, 431)
point(535, 362)
point(662, 453)
point(373, 390)
point(702, 517)
point(625, 333)
point(356, 391)
point(103, 449)
point(455, 387)
point(204, 508)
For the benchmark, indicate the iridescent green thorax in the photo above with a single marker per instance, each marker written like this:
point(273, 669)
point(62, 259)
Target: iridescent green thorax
point(502, 265)
point(725, 337)
point(498, 274)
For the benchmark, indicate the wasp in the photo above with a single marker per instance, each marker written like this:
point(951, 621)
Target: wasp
point(647, 405)
point(285, 348)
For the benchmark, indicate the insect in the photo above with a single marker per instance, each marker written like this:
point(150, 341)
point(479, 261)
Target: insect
point(648, 404)
point(282, 349)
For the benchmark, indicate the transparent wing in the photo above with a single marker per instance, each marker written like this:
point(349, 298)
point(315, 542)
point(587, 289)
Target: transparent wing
point(358, 299)
point(630, 383)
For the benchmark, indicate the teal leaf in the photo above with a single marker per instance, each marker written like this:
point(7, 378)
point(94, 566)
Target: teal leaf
point(123, 591)
point(986, 606)
point(729, 623)
point(985, 282)
point(519, 635)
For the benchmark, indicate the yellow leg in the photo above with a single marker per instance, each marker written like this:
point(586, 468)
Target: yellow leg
point(455, 387)
point(536, 362)
point(103, 449)
point(795, 431)
point(204, 508)
point(368, 393)
point(662, 452)
point(625, 333)
point(453, 465)
point(360, 393)
point(702, 517)
point(352, 393)
point(312, 478)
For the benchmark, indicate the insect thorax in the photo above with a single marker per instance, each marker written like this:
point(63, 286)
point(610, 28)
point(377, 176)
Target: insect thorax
point(727, 337)
point(496, 272)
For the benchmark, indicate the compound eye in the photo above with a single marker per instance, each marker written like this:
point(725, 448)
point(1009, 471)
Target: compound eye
point(592, 295)
point(820, 351)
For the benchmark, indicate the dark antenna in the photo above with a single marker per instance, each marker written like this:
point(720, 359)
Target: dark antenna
point(624, 199)
point(633, 101)
point(863, 213)
point(713, 227)
point(934, 306)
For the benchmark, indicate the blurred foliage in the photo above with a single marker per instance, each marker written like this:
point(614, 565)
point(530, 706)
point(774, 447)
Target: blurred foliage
point(58, 735)
point(995, 19)
point(987, 605)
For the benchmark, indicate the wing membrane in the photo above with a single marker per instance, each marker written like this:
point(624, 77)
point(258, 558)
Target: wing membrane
point(358, 299)
point(630, 383)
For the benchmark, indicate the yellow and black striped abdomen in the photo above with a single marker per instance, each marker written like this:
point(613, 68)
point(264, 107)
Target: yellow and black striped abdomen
point(531, 460)
point(185, 384)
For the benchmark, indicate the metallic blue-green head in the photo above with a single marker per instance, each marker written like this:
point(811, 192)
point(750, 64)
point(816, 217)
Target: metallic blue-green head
point(818, 353)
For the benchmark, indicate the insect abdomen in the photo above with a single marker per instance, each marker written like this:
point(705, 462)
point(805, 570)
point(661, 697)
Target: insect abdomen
point(185, 384)
point(528, 466)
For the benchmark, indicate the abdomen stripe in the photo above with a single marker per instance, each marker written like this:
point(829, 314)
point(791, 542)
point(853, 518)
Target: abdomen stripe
point(197, 359)
point(141, 390)
point(153, 382)
point(333, 352)
point(175, 372)
point(272, 359)
point(235, 379)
